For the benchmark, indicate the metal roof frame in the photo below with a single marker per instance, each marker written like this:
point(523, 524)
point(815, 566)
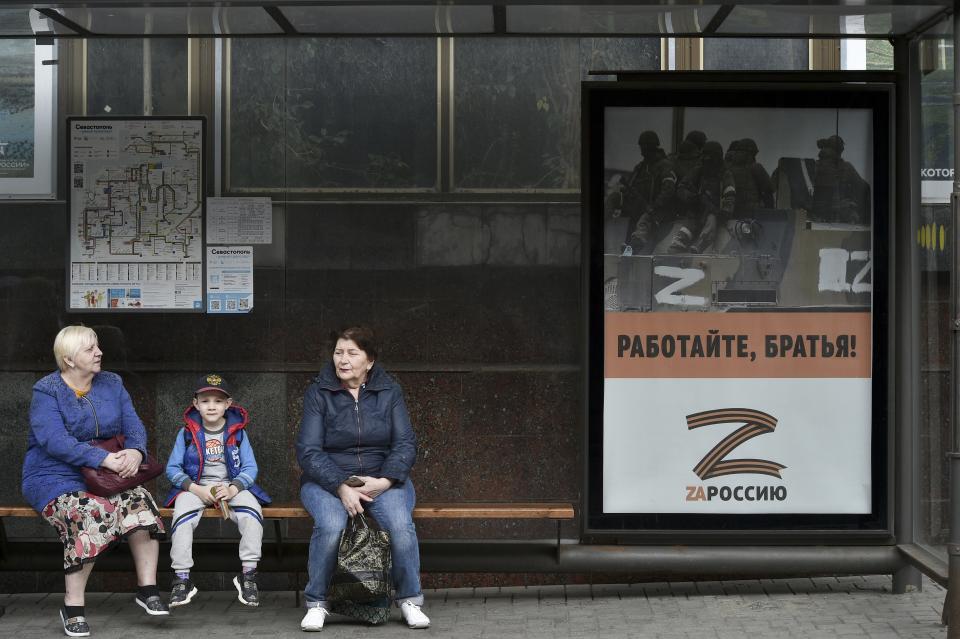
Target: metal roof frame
point(484, 18)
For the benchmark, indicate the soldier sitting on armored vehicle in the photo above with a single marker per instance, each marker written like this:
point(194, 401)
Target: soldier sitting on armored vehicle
point(648, 195)
point(753, 183)
point(839, 193)
point(708, 195)
point(688, 154)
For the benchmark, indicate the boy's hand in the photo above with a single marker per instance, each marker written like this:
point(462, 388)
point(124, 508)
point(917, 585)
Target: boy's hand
point(226, 492)
point(203, 492)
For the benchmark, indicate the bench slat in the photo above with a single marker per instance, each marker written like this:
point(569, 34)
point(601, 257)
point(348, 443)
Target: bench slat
point(487, 510)
point(494, 510)
point(438, 511)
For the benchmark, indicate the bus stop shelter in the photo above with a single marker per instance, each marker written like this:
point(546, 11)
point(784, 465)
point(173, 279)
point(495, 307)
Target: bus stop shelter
point(916, 33)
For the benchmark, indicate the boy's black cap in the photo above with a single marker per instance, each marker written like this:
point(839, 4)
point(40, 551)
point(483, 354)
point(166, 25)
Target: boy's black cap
point(212, 382)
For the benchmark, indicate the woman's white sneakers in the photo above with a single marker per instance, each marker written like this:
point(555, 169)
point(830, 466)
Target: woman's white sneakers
point(411, 613)
point(313, 620)
point(413, 616)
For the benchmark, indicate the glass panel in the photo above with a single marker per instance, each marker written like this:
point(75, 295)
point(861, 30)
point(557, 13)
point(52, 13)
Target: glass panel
point(15, 22)
point(114, 77)
point(737, 54)
point(174, 20)
point(613, 19)
point(822, 19)
point(17, 98)
point(517, 106)
point(341, 113)
point(385, 19)
point(933, 237)
point(861, 54)
point(137, 77)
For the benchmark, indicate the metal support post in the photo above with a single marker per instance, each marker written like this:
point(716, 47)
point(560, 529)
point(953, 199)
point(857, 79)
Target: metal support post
point(906, 302)
point(951, 605)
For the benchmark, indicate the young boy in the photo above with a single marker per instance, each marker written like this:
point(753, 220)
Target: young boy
point(212, 463)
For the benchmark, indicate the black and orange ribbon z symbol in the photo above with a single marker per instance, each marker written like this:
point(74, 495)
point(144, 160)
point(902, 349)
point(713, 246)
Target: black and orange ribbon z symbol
point(714, 463)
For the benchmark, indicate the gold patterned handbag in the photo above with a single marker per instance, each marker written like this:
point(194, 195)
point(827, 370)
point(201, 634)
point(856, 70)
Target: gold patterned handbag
point(363, 564)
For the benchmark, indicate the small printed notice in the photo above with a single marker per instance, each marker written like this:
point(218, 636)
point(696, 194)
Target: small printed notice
point(239, 220)
point(229, 279)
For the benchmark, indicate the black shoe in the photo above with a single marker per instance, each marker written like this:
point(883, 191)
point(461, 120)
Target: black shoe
point(153, 605)
point(247, 591)
point(74, 626)
point(181, 592)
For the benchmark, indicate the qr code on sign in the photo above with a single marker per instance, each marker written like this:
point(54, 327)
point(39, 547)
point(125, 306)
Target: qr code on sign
point(214, 305)
point(78, 183)
point(78, 168)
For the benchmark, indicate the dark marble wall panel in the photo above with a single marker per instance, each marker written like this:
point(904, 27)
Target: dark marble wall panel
point(449, 236)
point(14, 417)
point(355, 236)
point(498, 235)
point(37, 240)
point(563, 235)
point(440, 316)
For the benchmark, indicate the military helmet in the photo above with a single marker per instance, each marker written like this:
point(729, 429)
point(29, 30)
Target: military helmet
point(712, 151)
point(699, 138)
point(648, 139)
point(747, 145)
point(834, 142)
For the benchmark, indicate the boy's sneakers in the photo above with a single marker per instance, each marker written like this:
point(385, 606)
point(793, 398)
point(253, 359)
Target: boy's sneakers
point(247, 591)
point(74, 626)
point(153, 605)
point(313, 620)
point(181, 592)
point(413, 616)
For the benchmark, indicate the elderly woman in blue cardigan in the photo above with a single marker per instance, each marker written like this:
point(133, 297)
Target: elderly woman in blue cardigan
point(71, 407)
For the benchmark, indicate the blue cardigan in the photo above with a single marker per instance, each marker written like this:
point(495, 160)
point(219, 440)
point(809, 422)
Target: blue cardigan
point(61, 424)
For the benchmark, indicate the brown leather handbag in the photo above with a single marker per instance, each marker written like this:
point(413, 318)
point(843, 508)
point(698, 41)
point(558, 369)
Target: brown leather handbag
point(105, 483)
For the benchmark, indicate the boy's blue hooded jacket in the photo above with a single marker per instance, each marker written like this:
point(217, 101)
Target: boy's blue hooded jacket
point(186, 459)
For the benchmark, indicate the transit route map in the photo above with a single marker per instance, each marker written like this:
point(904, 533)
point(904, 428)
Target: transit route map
point(136, 214)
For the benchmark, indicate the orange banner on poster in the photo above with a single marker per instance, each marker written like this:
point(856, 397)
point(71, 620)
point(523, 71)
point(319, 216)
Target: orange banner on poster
point(706, 345)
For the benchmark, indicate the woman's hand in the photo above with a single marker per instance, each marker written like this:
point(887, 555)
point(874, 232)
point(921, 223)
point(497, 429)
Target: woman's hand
point(352, 499)
point(203, 493)
point(130, 459)
point(373, 486)
point(114, 462)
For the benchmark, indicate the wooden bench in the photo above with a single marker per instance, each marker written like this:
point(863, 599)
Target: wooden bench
point(555, 511)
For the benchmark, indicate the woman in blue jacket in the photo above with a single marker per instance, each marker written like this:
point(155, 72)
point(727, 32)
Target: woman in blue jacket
point(356, 448)
point(70, 407)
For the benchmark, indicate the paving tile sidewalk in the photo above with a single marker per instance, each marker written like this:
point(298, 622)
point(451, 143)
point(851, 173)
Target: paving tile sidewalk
point(808, 608)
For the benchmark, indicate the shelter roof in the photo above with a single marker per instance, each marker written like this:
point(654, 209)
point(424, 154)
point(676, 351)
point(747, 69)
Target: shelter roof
point(606, 18)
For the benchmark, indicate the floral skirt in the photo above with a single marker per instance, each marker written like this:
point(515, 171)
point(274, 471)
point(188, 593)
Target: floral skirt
point(89, 525)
